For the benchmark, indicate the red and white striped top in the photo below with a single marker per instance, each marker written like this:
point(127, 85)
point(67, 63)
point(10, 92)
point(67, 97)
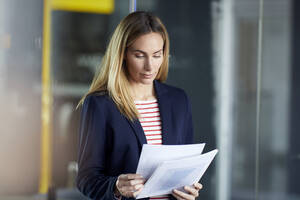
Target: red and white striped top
point(151, 124)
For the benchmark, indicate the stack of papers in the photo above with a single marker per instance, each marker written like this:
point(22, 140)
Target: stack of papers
point(168, 167)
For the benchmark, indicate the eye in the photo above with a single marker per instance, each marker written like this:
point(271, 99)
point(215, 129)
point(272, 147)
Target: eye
point(157, 56)
point(139, 55)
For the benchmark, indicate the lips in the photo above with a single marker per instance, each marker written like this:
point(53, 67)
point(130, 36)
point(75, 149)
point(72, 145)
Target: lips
point(147, 76)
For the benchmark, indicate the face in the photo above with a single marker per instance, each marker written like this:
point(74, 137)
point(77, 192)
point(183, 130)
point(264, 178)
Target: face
point(144, 58)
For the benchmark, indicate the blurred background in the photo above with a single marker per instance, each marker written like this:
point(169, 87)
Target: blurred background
point(236, 59)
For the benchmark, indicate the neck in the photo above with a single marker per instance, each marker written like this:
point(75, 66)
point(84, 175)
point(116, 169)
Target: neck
point(143, 92)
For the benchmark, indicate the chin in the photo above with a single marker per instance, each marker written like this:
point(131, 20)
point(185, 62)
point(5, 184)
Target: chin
point(147, 81)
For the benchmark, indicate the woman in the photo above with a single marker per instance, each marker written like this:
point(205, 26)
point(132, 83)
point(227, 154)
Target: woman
point(128, 106)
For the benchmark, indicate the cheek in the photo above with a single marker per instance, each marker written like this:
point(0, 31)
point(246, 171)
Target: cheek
point(134, 66)
point(158, 63)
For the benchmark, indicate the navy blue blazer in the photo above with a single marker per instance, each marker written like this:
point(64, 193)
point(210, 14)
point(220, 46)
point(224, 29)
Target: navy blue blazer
point(110, 144)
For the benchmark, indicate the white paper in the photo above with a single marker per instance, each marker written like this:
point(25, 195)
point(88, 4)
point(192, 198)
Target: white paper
point(153, 155)
point(174, 174)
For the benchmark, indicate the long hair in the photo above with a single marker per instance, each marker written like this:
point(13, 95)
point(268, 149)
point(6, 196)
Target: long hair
point(112, 77)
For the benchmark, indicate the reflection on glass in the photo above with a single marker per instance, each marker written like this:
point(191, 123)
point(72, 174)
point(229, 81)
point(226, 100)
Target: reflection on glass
point(274, 138)
point(271, 178)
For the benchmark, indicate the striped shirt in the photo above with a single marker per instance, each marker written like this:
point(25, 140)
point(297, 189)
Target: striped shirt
point(151, 124)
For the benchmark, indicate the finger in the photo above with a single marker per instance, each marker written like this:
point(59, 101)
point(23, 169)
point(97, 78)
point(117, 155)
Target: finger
point(176, 196)
point(198, 186)
point(119, 185)
point(122, 177)
point(131, 191)
point(124, 181)
point(183, 195)
point(131, 188)
point(127, 194)
point(191, 190)
point(133, 176)
point(133, 182)
point(138, 191)
point(129, 176)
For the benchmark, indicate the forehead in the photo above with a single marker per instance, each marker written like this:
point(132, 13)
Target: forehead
point(150, 42)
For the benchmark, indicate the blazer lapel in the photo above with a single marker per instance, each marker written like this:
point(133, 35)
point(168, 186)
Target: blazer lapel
point(138, 130)
point(165, 109)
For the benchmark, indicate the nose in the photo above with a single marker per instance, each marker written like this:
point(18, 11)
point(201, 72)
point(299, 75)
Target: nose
point(148, 64)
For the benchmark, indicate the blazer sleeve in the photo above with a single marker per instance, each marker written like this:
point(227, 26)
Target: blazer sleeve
point(189, 136)
point(92, 180)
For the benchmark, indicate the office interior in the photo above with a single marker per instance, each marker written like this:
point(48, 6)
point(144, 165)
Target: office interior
point(238, 61)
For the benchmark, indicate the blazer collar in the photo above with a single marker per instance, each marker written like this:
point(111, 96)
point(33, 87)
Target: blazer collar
point(165, 108)
point(138, 130)
point(160, 88)
point(165, 114)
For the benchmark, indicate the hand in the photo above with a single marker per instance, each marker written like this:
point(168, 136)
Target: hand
point(191, 192)
point(129, 185)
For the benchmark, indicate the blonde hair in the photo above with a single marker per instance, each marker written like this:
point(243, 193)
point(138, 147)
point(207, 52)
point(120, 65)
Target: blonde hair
point(112, 76)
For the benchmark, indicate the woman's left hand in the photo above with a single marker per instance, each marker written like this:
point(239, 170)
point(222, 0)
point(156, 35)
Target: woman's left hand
point(191, 192)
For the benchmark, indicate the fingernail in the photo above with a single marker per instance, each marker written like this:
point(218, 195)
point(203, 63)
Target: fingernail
point(136, 187)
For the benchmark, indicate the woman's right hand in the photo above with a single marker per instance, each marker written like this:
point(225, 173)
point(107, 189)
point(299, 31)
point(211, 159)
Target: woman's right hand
point(129, 185)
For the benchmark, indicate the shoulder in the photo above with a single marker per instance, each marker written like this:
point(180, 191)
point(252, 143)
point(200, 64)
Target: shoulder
point(96, 98)
point(96, 101)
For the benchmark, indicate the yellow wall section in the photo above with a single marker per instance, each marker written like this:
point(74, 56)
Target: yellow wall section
point(46, 111)
point(91, 6)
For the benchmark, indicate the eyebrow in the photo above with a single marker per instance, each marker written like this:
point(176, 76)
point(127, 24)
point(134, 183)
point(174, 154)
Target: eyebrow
point(137, 50)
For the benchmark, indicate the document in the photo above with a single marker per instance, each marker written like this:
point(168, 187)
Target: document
point(172, 173)
point(153, 155)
